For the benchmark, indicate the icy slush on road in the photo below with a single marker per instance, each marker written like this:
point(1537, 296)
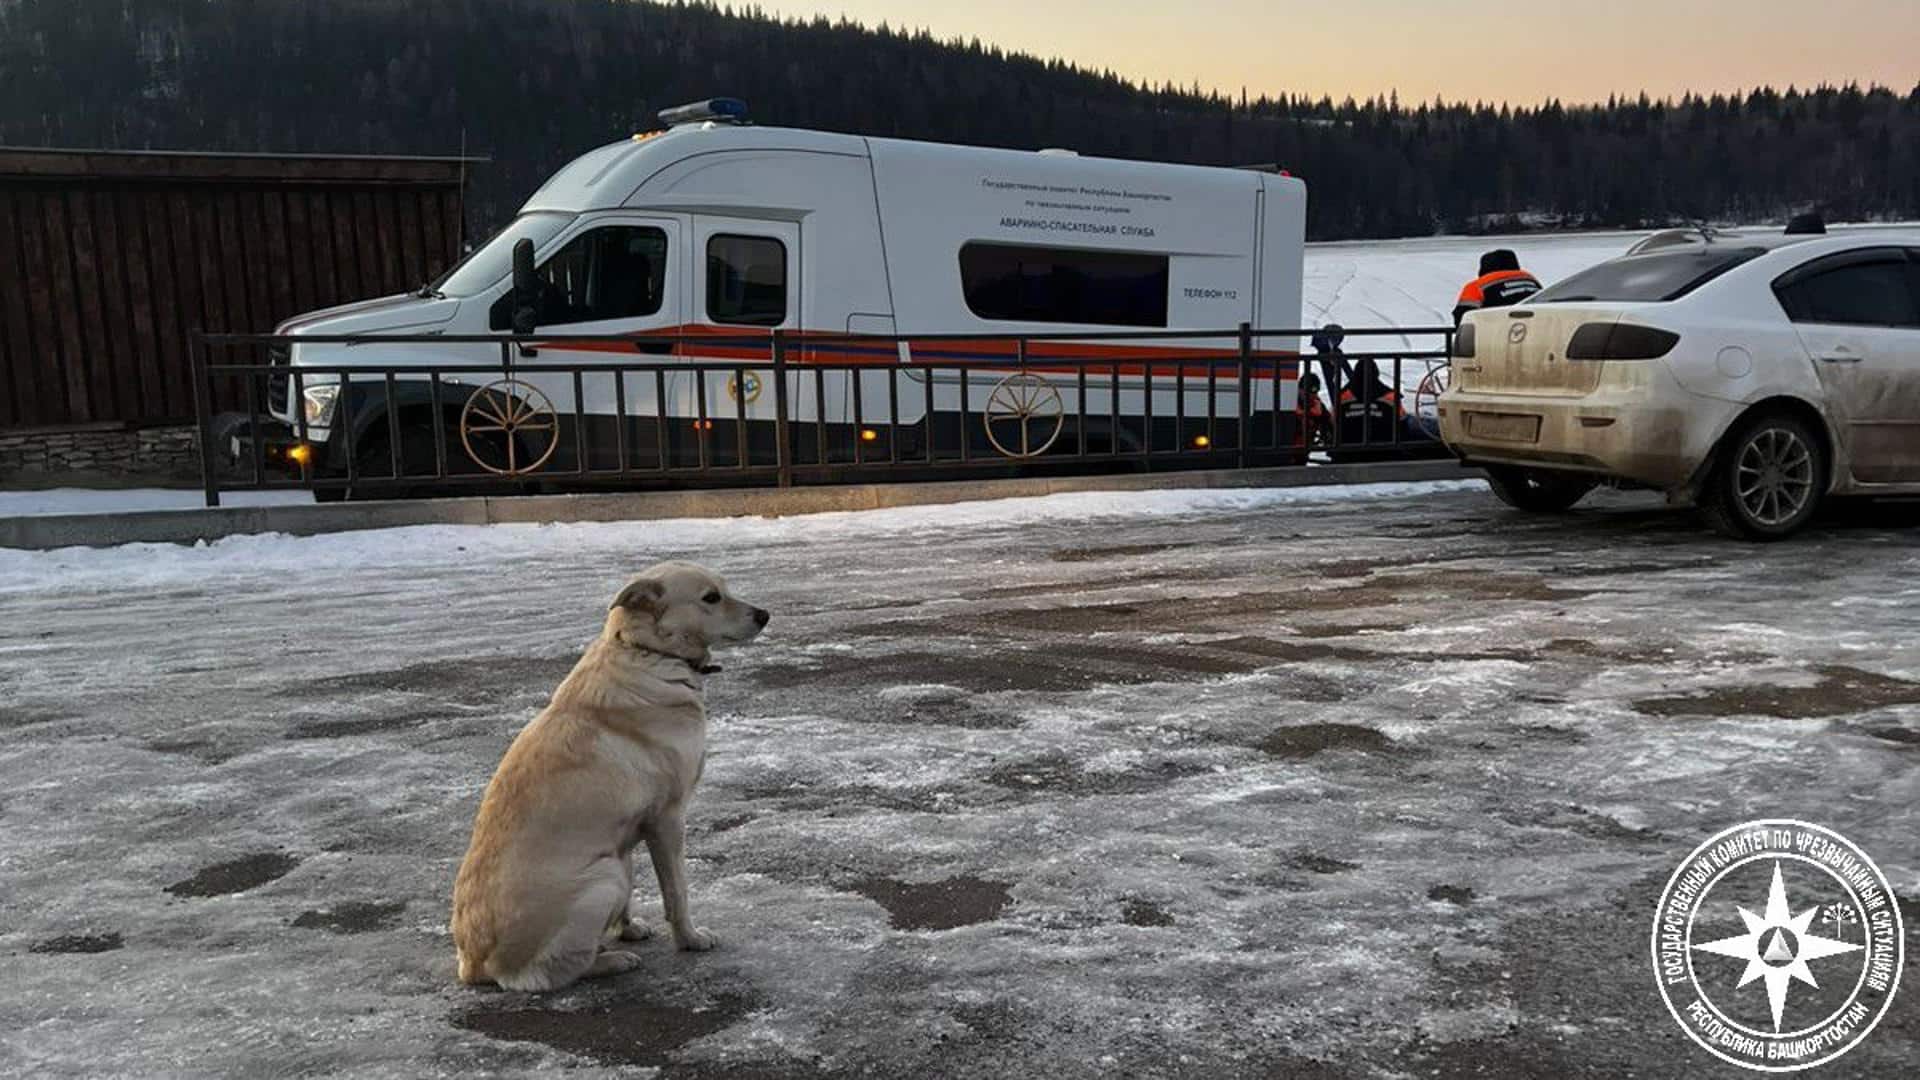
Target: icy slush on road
point(1327, 783)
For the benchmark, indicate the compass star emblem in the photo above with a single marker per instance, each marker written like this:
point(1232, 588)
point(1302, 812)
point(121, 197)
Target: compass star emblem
point(1777, 946)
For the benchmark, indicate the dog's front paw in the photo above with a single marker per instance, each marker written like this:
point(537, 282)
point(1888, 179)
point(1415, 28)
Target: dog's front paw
point(611, 962)
point(695, 940)
point(634, 931)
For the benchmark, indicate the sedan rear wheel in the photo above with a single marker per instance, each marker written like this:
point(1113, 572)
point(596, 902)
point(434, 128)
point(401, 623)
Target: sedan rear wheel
point(1769, 479)
point(1538, 491)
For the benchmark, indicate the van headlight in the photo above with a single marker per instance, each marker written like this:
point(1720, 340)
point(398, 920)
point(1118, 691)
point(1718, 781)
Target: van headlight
point(319, 402)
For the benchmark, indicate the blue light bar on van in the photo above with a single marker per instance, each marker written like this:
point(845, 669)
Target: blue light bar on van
point(721, 110)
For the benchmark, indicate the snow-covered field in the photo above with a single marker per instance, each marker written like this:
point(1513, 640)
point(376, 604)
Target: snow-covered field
point(1415, 282)
point(1327, 784)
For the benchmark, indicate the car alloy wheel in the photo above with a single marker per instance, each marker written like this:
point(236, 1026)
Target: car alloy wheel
point(1768, 478)
point(1773, 475)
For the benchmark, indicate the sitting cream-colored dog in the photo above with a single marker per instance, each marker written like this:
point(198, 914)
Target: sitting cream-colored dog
point(611, 762)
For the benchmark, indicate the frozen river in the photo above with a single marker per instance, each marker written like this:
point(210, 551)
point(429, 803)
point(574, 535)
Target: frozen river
point(1333, 784)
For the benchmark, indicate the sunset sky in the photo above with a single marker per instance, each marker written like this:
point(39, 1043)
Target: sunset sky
point(1574, 50)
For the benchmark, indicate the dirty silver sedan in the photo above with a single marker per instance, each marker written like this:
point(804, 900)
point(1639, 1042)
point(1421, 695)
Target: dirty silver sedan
point(1750, 375)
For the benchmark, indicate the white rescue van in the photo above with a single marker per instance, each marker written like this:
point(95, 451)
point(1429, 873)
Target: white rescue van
point(715, 228)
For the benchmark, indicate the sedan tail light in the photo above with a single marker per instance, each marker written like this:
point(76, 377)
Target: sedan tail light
point(1620, 341)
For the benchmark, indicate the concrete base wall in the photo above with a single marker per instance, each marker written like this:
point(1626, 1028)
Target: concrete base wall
point(97, 454)
point(191, 526)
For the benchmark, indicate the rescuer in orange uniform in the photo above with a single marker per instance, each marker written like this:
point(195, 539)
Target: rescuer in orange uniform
point(1501, 284)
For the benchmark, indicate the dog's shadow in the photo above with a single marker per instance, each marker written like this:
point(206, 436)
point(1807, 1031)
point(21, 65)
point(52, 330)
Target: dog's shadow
point(611, 1022)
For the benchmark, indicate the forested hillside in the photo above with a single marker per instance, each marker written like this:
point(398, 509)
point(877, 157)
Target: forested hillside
point(531, 83)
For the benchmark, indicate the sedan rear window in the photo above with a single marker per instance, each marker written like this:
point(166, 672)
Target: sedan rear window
point(1666, 275)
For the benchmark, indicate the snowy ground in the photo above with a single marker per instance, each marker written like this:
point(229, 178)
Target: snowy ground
point(1163, 784)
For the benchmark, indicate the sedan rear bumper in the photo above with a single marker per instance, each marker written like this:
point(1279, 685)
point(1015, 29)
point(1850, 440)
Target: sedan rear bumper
point(1655, 436)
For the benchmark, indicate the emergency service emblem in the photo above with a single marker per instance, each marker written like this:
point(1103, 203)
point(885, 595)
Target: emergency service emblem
point(746, 382)
point(1778, 945)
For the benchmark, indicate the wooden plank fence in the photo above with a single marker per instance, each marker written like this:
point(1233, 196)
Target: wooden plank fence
point(109, 261)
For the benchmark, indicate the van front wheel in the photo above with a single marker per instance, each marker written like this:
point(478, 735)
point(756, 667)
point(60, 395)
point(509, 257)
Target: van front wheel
point(373, 460)
point(1768, 480)
point(1538, 491)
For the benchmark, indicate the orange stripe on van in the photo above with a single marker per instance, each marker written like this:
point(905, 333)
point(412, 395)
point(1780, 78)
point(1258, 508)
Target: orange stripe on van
point(850, 351)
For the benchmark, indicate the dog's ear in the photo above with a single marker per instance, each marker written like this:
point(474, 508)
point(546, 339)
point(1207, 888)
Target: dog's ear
point(643, 595)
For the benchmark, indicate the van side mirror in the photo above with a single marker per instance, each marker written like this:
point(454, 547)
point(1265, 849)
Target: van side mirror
point(526, 290)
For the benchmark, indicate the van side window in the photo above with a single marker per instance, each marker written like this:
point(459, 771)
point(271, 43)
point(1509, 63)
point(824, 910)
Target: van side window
point(1016, 283)
point(746, 280)
point(1873, 291)
point(612, 272)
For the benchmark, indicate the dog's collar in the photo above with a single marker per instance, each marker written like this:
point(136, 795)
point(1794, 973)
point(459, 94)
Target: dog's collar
point(694, 666)
point(695, 673)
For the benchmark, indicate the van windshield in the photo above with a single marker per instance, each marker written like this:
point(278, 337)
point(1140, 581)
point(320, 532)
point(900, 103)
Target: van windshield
point(493, 260)
point(1667, 275)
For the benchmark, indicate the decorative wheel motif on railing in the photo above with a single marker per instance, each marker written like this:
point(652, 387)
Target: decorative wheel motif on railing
point(509, 428)
point(1024, 415)
point(1426, 398)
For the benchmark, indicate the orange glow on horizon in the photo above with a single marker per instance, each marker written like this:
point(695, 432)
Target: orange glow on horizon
point(1573, 52)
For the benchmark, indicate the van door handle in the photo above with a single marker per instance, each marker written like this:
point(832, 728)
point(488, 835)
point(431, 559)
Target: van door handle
point(1840, 358)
